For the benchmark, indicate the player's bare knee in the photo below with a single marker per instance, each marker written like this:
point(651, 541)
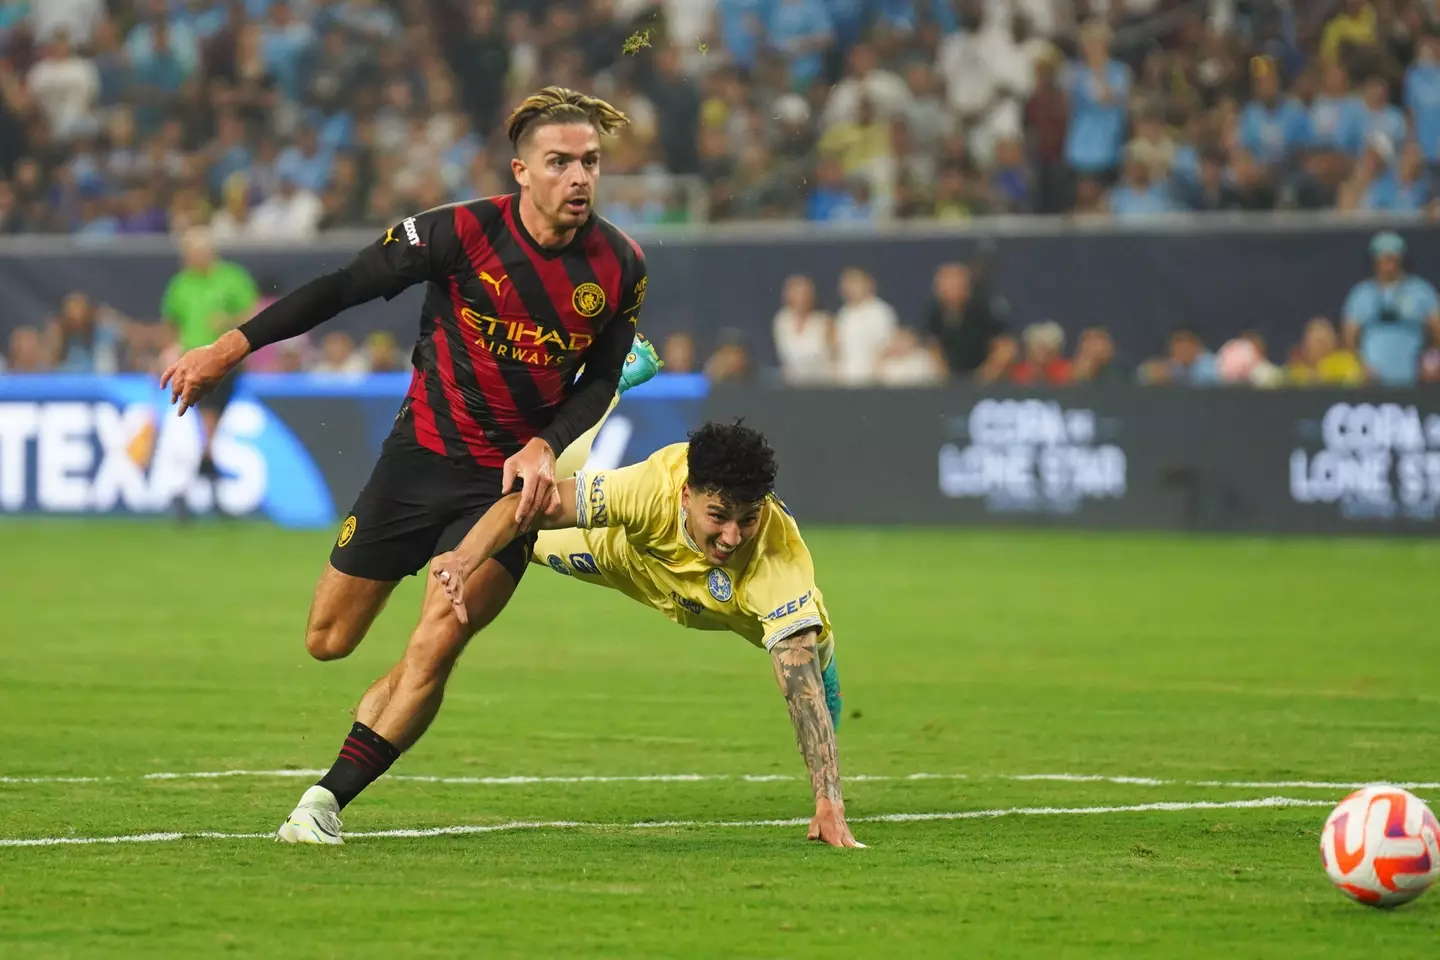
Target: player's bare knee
point(327, 638)
point(341, 613)
point(327, 644)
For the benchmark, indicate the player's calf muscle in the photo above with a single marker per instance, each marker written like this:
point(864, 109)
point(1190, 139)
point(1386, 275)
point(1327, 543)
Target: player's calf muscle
point(439, 637)
point(403, 705)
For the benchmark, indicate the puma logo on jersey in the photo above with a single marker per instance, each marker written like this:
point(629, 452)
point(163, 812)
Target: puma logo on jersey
point(493, 282)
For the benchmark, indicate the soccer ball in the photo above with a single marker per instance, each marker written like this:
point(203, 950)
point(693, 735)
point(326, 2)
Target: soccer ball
point(1381, 846)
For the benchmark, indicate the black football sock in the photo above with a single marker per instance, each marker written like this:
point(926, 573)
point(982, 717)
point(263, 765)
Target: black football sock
point(363, 758)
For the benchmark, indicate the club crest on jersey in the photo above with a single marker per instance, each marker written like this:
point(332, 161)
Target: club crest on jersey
point(347, 530)
point(557, 565)
point(588, 299)
point(720, 586)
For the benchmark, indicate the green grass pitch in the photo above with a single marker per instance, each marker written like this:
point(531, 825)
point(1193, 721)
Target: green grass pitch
point(130, 649)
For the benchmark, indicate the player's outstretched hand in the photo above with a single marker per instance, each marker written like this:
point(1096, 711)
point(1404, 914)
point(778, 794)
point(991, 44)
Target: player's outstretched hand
point(452, 570)
point(192, 376)
point(828, 826)
point(534, 466)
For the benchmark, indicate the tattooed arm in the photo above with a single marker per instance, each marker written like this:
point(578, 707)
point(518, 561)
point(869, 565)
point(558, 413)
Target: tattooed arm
point(797, 669)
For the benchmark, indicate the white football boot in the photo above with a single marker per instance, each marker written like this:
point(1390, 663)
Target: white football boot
point(316, 819)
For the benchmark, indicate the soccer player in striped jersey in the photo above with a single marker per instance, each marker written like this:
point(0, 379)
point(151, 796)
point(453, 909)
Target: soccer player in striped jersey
point(531, 302)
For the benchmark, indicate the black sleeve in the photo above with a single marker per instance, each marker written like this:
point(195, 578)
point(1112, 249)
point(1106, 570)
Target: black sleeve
point(413, 251)
point(604, 360)
point(995, 309)
point(934, 319)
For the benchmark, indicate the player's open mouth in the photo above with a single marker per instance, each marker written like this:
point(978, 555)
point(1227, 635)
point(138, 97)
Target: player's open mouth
point(577, 204)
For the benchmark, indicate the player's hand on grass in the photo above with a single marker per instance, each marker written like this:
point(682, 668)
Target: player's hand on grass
point(192, 376)
point(534, 466)
point(828, 825)
point(452, 570)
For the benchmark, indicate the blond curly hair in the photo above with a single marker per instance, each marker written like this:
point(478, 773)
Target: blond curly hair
point(562, 105)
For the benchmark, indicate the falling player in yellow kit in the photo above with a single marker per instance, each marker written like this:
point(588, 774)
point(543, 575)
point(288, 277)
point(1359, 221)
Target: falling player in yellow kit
point(696, 532)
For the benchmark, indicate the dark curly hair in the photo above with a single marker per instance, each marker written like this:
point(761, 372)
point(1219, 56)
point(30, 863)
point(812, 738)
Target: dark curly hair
point(731, 461)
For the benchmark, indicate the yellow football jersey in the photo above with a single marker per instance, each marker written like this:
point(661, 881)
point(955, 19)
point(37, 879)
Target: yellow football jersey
point(631, 536)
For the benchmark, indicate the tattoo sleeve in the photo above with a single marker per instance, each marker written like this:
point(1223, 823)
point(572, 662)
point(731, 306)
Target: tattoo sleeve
point(797, 668)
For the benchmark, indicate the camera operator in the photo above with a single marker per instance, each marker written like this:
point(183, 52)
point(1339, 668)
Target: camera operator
point(1387, 316)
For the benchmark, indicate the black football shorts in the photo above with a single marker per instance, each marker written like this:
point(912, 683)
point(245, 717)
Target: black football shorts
point(416, 505)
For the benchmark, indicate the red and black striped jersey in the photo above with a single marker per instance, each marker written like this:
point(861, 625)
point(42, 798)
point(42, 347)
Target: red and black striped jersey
point(507, 324)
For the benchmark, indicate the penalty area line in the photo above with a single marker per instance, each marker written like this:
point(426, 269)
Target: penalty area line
point(466, 830)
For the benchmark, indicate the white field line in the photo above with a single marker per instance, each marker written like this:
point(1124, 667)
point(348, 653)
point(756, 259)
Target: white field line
point(465, 830)
point(762, 778)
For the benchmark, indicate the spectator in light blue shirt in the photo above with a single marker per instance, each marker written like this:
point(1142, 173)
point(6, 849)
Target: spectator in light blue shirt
point(1273, 126)
point(849, 19)
point(1388, 316)
point(80, 341)
point(305, 163)
point(803, 31)
point(1337, 117)
point(205, 17)
point(155, 80)
point(1402, 187)
point(902, 15)
point(96, 221)
point(854, 208)
point(833, 200)
point(140, 46)
point(1139, 194)
point(742, 25)
point(335, 131)
point(368, 19)
point(455, 162)
point(284, 43)
point(13, 14)
point(231, 153)
point(1381, 117)
point(1422, 97)
point(1099, 89)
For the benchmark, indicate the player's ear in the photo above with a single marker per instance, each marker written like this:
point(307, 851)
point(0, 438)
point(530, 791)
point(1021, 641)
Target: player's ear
point(521, 172)
point(685, 495)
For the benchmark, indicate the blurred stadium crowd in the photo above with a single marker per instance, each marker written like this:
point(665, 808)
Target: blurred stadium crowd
point(281, 117)
point(278, 118)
